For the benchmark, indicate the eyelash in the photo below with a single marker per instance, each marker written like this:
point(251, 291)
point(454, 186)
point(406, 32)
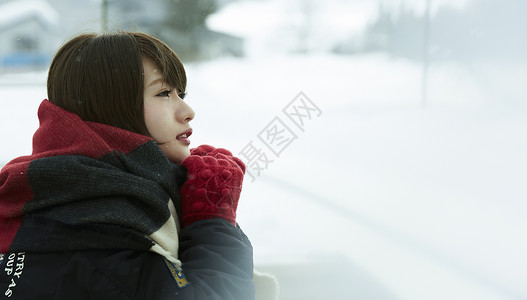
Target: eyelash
point(167, 93)
point(164, 93)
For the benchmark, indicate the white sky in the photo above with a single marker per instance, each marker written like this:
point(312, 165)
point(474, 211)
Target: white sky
point(246, 17)
point(273, 23)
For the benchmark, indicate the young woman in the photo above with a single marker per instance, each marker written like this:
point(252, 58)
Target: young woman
point(112, 203)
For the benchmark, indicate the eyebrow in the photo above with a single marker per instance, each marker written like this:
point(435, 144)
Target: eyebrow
point(156, 82)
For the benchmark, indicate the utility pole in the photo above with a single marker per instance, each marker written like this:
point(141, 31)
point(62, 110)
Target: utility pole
point(104, 15)
point(426, 58)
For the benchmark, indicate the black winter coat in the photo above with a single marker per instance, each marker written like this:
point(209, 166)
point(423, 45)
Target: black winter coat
point(217, 262)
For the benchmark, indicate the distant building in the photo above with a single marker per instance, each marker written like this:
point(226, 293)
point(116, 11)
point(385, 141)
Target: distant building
point(217, 44)
point(192, 42)
point(32, 30)
point(27, 34)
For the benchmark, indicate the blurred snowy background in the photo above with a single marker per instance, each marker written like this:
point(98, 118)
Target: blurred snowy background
point(406, 179)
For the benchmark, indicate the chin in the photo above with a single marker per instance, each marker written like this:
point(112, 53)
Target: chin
point(178, 156)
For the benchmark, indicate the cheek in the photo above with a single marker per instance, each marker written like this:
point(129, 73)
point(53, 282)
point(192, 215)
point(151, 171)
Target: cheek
point(154, 120)
point(151, 112)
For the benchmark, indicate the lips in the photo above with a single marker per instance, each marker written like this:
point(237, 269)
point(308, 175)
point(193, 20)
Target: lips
point(183, 137)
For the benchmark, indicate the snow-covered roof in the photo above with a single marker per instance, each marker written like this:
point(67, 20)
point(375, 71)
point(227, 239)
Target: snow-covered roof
point(14, 11)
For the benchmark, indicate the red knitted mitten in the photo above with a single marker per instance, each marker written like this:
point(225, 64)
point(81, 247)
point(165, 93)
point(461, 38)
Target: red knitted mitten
point(211, 151)
point(213, 185)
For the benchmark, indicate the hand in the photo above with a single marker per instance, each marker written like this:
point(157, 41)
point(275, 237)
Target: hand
point(213, 187)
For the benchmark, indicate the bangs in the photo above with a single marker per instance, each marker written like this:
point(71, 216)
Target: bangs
point(166, 59)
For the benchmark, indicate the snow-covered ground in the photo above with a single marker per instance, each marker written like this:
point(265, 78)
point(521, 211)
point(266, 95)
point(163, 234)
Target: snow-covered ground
point(378, 197)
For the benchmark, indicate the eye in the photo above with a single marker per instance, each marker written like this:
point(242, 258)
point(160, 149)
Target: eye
point(182, 95)
point(164, 93)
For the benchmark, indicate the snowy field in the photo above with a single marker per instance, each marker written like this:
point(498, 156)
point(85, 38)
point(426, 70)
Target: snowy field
point(378, 197)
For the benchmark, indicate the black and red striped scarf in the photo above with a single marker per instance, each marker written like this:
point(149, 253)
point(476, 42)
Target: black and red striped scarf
point(88, 186)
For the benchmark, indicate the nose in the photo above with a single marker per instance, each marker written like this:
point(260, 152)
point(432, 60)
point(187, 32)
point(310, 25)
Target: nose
point(185, 112)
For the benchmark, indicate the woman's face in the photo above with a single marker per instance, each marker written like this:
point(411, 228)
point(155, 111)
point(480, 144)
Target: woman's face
point(167, 116)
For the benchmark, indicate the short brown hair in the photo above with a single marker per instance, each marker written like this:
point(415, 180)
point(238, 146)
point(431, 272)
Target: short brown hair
point(100, 77)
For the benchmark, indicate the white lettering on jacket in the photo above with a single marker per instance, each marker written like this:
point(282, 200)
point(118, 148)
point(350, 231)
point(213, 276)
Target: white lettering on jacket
point(14, 268)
